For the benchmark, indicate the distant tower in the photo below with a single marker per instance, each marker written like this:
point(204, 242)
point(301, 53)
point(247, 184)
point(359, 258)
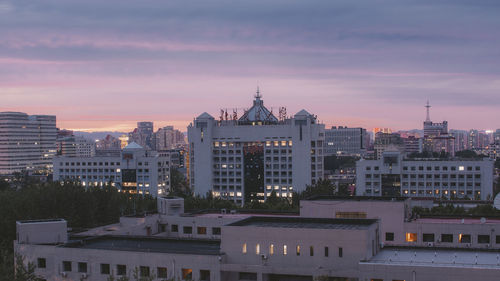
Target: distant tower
point(428, 106)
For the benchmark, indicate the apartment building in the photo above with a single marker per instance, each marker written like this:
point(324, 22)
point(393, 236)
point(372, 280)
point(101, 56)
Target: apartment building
point(395, 175)
point(27, 142)
point(345, 141)
point(136, 170)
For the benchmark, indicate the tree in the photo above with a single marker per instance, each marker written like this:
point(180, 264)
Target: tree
point(178, 184)
point(322, 187)
point(466, 154)
point(24, 272)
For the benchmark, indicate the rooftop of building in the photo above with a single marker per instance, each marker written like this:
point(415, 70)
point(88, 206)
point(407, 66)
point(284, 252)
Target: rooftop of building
point(41, 221)
point(354, 198)
point(459, 220)
point(436, 257)
point(148, 244)
point(300, 222)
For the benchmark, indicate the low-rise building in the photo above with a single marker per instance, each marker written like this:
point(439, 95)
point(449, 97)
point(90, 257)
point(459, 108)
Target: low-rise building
point(333, 238)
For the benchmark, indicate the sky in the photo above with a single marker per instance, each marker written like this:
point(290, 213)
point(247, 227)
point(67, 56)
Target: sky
point(104, 65)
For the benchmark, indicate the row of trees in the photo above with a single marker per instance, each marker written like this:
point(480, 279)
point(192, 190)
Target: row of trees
point(451, 210)
point(81, 207)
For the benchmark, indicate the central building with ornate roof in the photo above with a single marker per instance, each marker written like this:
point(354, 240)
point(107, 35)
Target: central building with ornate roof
point(247, 158)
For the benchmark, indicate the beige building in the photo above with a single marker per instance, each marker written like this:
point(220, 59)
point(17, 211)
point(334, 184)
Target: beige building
point(353, 238)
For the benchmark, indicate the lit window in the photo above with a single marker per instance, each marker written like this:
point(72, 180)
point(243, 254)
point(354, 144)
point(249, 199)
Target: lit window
point(271, 249)
point(283, 143)
point(411, 237)
point(244, 249)
point(268, 143)
point(289, 143)
point(285, 250)
point(257, 249)
point(298, 250)
point(461, 168)
point(216, 144)
point(276, 143)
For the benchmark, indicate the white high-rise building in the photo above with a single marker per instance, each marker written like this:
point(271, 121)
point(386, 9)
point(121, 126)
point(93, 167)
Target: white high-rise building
point(250, 157)
point(27, 142)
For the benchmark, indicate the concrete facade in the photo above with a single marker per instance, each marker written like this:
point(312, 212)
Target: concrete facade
point(393, 175)
point(136, 170)
point(247, 159)
point(27, 142)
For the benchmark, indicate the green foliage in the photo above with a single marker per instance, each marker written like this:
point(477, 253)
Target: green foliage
point(467, 154)
point(207, 202)
point(322, 187)
point(429, 154)
point(178, 184)
point(81, 207)
point(483, 210)
point(24, 272)
point(497, 163)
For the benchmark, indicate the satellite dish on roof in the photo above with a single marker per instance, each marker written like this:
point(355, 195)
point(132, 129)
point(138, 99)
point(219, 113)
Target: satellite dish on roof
point(496, 202)
point(483, 220)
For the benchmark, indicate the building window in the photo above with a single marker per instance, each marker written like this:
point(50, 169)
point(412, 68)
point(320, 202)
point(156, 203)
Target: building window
point(202, 230)
point(257, 249)
point(326, 252)
point(121, 269)
point(204, 275)
point(483, 239)
point(389, 236)
point(271, 249)
point(411, 237)
point(144, 271)
point(428, 237)
point(447, 238)
point(244, 248)
point(188, 230)
point(285, 250)
point(174, 228)
point(161, 272)
point(311, 251)
point(187, 274)
point(297, 250)
point(66, 266)
point(497, 239)
point(216, 230)
point(464, 238)
point(341, 252)
point(247, 276)
point(82, 267)
point(105, 269)
point(41, 263)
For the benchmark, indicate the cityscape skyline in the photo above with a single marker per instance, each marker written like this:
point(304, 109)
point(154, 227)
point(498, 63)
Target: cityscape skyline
point(368, 64)
point(129, 125)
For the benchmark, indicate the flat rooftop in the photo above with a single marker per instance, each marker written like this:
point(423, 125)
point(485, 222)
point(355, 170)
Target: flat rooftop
point(299, 222)
point(355, 198)
point(458, 220)
point(439, 257)
point(41, 221)
point(148, 244)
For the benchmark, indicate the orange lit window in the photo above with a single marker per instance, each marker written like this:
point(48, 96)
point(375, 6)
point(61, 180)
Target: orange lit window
point(411, 237)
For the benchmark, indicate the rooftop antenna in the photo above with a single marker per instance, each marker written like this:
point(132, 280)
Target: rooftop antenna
point(428, 106)
point(258, 96)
